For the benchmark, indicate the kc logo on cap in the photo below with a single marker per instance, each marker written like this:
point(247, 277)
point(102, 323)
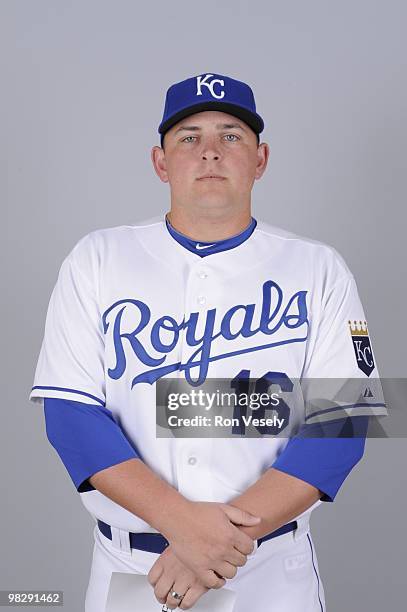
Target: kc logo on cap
point(210, 85)
point(210, 91)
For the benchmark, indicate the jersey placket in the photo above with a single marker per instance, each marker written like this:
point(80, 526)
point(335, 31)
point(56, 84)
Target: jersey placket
point(193, 454)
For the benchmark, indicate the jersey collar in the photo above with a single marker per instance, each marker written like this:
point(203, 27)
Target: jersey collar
point(209, 248)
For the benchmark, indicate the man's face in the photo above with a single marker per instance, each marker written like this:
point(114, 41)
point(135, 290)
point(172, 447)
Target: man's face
point(210, 143)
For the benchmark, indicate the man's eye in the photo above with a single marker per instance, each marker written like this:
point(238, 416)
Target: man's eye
point(184, 139)
point(233, 136)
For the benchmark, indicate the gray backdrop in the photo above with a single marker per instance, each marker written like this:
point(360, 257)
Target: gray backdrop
point(82, 94)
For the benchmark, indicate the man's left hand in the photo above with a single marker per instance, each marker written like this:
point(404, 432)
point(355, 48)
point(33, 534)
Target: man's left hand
point(169, 574)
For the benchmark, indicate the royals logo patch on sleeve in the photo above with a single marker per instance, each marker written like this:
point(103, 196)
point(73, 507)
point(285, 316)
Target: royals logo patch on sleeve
point(362, 346)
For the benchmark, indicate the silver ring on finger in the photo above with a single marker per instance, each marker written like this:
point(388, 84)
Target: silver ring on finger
point(176, 595)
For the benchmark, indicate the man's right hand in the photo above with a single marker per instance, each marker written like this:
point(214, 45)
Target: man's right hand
point(206, 539)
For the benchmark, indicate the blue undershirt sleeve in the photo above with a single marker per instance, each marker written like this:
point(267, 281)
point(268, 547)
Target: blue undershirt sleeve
point(86, 437)
point(323, 454)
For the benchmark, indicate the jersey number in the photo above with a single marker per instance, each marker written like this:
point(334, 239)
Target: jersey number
point(241, 384)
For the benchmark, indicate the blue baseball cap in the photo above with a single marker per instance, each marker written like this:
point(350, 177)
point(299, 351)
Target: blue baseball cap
point(209, 91)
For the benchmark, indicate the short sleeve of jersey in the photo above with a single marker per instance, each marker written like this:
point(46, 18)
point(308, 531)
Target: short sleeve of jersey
point(71, 359)
point(340, 376)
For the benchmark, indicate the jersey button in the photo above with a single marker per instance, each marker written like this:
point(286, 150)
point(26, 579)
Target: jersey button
point(192, 460)
point(202, 274)
point(201, 299)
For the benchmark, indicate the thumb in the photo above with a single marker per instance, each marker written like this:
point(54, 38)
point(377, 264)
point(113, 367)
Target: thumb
point(240, 517)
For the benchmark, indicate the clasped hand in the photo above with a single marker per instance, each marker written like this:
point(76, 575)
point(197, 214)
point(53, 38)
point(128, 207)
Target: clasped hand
point(205, 548)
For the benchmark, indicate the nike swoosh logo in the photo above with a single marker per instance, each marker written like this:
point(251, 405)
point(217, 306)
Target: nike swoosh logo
point(203, 246)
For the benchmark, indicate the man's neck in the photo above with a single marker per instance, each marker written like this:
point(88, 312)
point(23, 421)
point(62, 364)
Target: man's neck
point(209, 229)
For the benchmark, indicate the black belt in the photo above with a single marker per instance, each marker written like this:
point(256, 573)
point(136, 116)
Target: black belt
point(156, 543)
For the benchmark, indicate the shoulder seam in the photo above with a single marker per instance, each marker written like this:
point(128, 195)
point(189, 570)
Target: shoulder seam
point(295, 237)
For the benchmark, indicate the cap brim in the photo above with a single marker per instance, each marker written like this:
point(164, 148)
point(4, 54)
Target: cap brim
point(252, 119)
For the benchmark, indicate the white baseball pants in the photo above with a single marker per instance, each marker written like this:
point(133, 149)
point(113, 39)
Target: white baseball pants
point(282, 575)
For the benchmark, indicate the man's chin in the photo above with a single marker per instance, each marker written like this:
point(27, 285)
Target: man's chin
point(211, 201)
point(215, 189)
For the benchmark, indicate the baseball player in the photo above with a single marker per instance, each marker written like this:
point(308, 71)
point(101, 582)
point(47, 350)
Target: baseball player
point(204, 292)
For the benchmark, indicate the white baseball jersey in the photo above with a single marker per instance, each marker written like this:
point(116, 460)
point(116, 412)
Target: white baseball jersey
point(131, 305)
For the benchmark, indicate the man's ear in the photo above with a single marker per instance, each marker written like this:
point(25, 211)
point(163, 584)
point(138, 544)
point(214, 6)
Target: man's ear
point(263, 153)
point(159, 163)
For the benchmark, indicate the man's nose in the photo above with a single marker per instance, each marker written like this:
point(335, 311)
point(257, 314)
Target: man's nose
point(210, 149)
point(208, 155)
